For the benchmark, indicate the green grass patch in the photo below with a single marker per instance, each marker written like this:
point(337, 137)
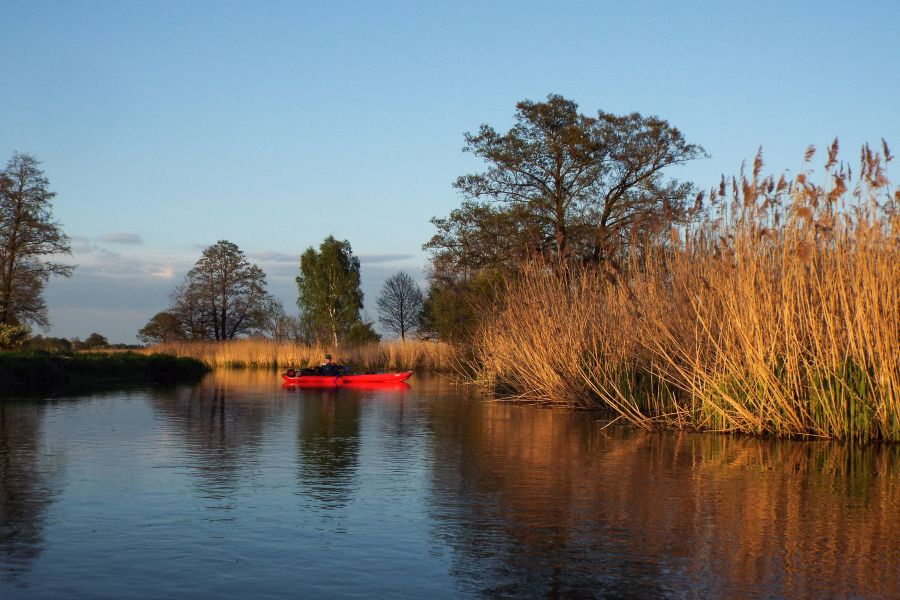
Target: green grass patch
point(37, 371)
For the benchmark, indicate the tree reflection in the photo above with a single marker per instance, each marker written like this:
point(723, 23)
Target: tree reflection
point(223, 431)
point(328, 445)
point(544, 503)
point(28, 483)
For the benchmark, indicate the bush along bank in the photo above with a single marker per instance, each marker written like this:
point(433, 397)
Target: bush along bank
point(34, 371)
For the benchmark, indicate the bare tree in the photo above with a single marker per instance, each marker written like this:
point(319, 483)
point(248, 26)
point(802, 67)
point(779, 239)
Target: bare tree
point(28, 233)
point(400, 304)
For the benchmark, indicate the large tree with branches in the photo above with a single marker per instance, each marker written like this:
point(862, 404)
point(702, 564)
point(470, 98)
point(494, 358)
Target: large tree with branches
point(400, 304)
point(562, 184)
point(223, 296)
point(28, 234)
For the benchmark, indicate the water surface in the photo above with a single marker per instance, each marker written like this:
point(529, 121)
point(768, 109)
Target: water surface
point(238, 487)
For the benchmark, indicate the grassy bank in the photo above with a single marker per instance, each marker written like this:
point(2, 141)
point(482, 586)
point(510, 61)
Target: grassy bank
point(393, 355)
point(31, 371)
point(777, 314)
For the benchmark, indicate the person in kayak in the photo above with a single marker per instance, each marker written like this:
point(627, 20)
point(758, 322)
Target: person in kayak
point(330, 368)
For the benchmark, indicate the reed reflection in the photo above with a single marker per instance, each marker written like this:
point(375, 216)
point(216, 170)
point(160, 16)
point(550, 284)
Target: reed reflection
point(328, 445)
point(544, 503)
point(29, 480)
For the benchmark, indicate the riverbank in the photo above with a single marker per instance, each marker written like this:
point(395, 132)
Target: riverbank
point(32, 371)
point(404, 355)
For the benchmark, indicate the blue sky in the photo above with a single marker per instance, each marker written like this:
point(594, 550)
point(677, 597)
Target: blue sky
point(166, 126)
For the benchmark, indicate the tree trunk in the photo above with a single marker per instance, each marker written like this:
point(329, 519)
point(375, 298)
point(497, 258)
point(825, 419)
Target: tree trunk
point(10, 262)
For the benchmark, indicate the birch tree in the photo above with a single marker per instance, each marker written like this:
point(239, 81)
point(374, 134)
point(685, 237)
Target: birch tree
point(329, 294)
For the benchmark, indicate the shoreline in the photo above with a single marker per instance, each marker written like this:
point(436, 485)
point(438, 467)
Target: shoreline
point(39, 372)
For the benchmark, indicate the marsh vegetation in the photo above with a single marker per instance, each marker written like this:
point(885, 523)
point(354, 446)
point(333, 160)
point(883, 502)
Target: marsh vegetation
point(269, 354)
point(776, 312)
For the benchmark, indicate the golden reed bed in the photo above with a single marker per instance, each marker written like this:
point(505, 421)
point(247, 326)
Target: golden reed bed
point(253, 353)
point(779, 314)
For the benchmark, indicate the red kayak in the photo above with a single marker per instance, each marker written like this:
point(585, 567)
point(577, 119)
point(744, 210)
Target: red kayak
point(330, 380)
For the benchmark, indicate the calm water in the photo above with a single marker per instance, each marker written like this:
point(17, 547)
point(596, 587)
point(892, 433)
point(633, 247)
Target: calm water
point(239, 488)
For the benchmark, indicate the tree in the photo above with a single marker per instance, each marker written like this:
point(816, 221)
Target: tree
point(28, 233)
point(280, 326)
point(478, 235)
point(50, 344)
point(163, 327)
point(400, 304)
point(562, 184)
point(12, 336)
point(95, 340)
point(223, 296)
point(453, 309)
point(329, 295)
point(361, 333)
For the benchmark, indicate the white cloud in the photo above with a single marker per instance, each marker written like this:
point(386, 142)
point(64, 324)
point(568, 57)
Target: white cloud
point(81, 244)
point(121, 238)
point(163, 273)
point(373, 259)
point(269, 256)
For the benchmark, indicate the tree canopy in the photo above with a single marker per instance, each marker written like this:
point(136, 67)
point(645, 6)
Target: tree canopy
point(96, 340)
point(28, 234)
point(563, 185)
point(329, 289)
point(222, 297)
point(163, 327)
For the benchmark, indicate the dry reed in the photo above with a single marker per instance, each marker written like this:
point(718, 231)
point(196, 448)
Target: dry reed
point(779, 313)
point(256, 353)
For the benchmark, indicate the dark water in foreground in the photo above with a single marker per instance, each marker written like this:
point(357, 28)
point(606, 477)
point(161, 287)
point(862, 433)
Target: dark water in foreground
point(239, 488)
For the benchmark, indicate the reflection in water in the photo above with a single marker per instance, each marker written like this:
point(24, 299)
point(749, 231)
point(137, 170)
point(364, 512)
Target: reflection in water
point(223, 430)
point(423, 492)
point(28, 483)
point(540, 503)
point(328, 445)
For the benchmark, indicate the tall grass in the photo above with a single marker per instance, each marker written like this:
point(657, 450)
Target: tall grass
point(254, 353)
point(778, 313)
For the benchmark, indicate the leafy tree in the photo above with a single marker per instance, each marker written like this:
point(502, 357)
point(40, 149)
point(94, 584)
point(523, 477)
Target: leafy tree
point(50, 344)
point(400, 304)
point(223, 296)
point(562, 184)
point(452, 310)
point(95, 340)
point(12, 336)
point(28, 233)
point(360, 333)
point(478, 235)
point(163, 327)
point(330, 297)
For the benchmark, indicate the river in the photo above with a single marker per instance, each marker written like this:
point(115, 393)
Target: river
point(238, 488)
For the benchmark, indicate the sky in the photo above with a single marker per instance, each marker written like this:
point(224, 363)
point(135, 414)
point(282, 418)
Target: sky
point(166, 126)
